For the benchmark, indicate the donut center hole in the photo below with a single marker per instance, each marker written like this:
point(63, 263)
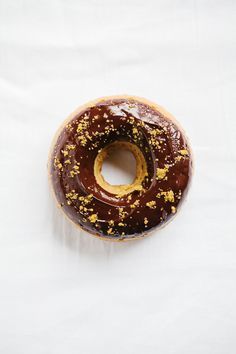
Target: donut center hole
point(119, 167)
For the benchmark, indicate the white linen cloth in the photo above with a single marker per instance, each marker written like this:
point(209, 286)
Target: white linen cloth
point(63, 291)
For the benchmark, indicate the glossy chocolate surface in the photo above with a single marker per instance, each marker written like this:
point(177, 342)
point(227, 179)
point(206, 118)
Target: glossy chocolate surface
point(86, 203)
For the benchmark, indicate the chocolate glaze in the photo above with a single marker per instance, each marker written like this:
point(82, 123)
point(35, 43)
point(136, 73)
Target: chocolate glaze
point(99, 212)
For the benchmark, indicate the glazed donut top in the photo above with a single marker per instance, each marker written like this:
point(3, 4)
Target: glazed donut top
point(164, 167)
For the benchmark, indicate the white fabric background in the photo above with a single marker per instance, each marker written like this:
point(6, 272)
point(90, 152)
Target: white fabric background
point(65, 292)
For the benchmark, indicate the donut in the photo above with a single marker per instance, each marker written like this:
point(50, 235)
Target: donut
point(163, 167)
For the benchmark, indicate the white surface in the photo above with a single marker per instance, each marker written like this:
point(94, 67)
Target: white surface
point(65, 292)
point(119, 167)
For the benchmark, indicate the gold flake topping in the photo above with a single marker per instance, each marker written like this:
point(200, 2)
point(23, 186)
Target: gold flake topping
point(93, 218)
point(110, 231)
point(168, 196)
point(122, 213)
point(58, 164)
point(70, 147)
point(151, 204)
point(121, 224)
point(161, 172)
point(183, 152)
point(64, 152)
point(72, 195)
point(86, 200)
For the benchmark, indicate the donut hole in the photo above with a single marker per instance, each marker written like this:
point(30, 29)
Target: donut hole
point(119, 167)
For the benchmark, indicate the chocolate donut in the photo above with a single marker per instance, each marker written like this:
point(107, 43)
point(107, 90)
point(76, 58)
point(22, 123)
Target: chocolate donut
point(163, 167)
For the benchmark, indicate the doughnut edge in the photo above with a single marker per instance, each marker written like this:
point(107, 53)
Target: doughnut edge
point(89, 104)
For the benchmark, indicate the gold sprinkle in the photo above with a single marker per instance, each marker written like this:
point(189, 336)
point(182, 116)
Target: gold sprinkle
point(173, 209)
point(161, 172)
point(72, 195)
point(135, 204)
point(83, 125)
point(154, 142)
point(86, 200)
point(178, 158)
point(183, 152)
point(145, 221)
point(69, 127)
point(168, 196)
point(151, 204)
point(111, 222)
point(93, 218)
point(70, 147)
point(122, 213)
point(72, 173)
point(110, 231)
point(68, 162)
point(155, 132)
point(82, 140)
point(64, 152)
point(57, 164)
point(121, 224)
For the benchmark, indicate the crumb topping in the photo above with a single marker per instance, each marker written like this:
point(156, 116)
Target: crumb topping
point(122, 213)
point(70, 147)
point(72, 195)
point(183, 152)
point(65, 152)
point(86, 200)
point(168, 196)
point(93, 218)
point(161, 172)
point(58, 164)
point(110, 231)
point(121, 224)
point(135, 204)
point(151, 204)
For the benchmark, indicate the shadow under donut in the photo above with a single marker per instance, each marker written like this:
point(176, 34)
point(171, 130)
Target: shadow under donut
point(81, 242)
